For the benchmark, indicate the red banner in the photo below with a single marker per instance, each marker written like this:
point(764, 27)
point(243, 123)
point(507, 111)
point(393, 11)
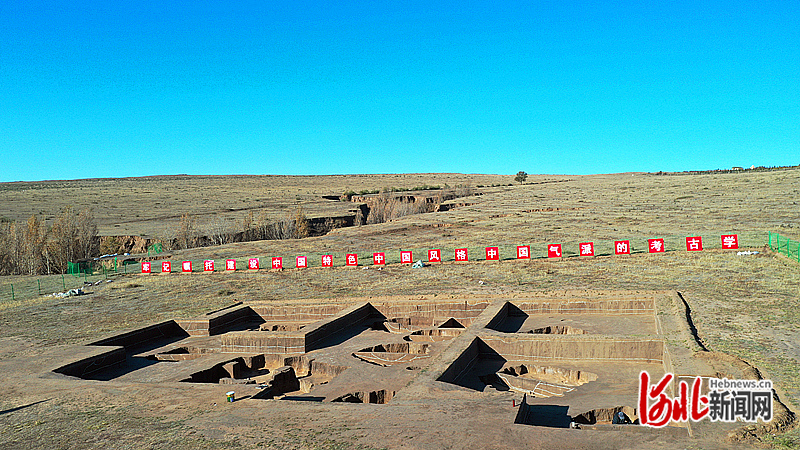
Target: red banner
point(352, 259)
point(694, 244)
point(327, 260)
point(379, 258)
point(730, 241)
point(656, 245)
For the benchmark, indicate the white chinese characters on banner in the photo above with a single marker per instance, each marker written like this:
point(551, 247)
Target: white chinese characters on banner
point(730, 241)
point(379, 258)
point(327, 260)
point(352, 259)
point(656, 245)
point(694, 244)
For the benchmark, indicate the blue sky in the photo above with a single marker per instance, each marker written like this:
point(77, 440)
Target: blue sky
point(111, 89)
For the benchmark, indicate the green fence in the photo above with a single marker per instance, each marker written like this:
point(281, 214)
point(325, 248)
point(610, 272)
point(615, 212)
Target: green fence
point(155, 249)
point(782, 244)
point(77, 275)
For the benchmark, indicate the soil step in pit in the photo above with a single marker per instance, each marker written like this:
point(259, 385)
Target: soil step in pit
point(393, 354)
point(281, 327)
point(402, 325)
point(550, 374)
point(177, 354)
point(434, 334)
point(543, 381)
point(240, 370)
point(380, 397)
point(557, 329)
point(298, 377)
point(608, 416)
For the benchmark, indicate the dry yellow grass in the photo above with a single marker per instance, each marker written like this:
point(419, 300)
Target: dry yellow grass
point(743, 305)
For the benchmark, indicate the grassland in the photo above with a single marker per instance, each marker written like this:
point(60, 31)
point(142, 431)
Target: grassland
point(152, 206)
point(743, 305)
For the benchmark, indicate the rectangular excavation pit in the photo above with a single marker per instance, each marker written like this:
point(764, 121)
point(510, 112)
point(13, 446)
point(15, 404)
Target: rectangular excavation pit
point(328, 332)
point(298, 376)
point(577, 316)
point(477, 366)
point(125, 356)
point(430, 314)
point(147, 338)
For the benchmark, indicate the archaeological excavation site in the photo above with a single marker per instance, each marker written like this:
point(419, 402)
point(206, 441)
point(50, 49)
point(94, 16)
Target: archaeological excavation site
point(549, 360)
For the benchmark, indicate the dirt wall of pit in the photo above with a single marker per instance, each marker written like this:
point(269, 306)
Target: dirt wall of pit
point(169, 329)
point(574, 348)
point(644, 305)
point(464, 312)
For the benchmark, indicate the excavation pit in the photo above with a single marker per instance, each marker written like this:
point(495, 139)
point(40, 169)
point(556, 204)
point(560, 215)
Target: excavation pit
point(576, 358)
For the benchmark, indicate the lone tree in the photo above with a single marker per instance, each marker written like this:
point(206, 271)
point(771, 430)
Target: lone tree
point(521, 177)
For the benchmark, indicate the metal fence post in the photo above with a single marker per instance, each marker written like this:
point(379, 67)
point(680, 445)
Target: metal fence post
point(12, 292)
point(40, 285)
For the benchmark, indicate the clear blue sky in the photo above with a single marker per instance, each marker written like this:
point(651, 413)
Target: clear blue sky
point(109, 89)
